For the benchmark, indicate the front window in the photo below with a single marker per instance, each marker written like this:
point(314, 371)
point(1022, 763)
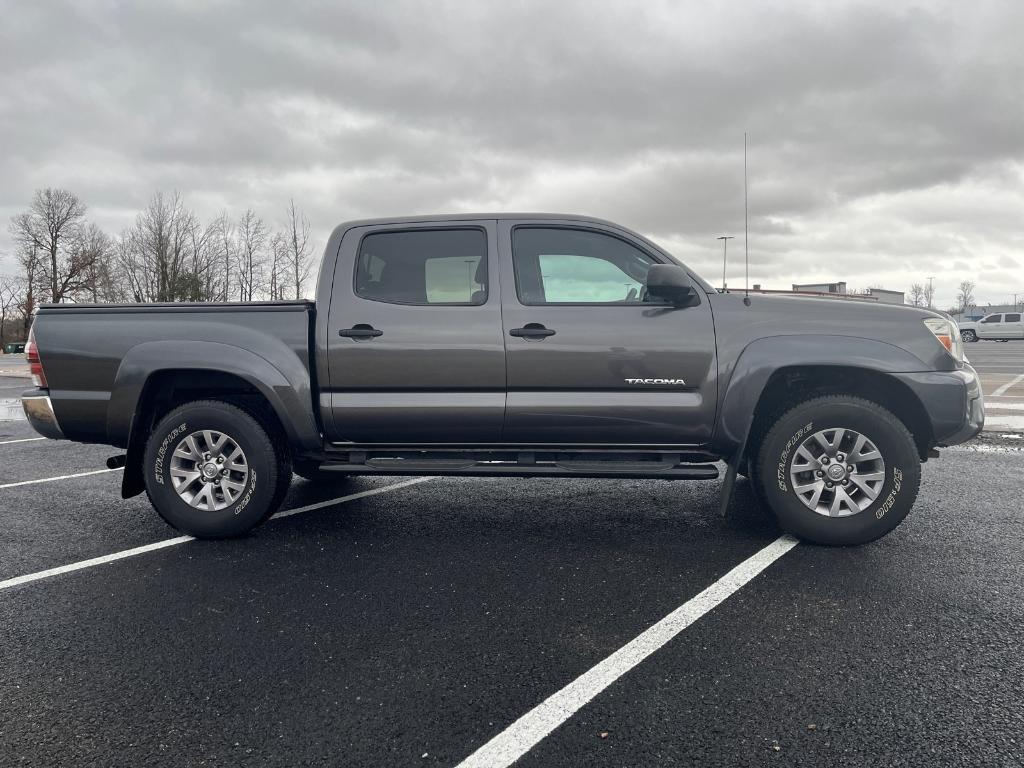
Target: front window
point(574, 266)
point(993, 319)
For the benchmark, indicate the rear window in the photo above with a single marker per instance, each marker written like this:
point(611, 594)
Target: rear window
point(1013, 318)
point(427, 266)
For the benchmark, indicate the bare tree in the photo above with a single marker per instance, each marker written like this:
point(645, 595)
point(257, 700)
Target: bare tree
point(11, 297)
point(252, 241)
point(965, 296)
point(279, 272)
point(298, 245)
point(30, 258)
point(167, 254)
point(51, 224)
point(916, 294)
point(223, 252)
point(928, 294)
point(95, 249)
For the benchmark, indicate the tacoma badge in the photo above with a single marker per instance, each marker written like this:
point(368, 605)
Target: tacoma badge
point(674, 382)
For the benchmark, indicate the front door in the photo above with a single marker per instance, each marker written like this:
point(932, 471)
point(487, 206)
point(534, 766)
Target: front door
point(991, 327)
point(589, 358)
point(415, 351)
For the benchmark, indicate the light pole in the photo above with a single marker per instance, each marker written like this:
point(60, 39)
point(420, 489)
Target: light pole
point(931, 292)
point(725, 247)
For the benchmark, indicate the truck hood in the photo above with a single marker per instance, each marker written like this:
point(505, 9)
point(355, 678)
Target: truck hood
point(738, 322)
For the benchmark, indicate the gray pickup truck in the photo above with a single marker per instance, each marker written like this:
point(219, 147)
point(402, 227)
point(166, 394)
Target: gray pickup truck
point(517, 345)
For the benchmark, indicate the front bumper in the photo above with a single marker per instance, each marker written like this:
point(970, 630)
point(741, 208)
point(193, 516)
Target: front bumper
point(39, 412)
point(953, 401)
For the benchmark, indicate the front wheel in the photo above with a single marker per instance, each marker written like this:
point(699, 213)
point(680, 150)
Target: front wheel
point(968, 335)
point(839, 470)
point(212, 470)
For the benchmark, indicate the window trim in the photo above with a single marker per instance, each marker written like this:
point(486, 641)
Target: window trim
point(409, 230)
point(655, 259)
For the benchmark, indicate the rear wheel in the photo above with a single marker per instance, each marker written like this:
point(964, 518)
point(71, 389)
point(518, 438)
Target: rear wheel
point(838, 470)
point(213, 470)
point(968, 335)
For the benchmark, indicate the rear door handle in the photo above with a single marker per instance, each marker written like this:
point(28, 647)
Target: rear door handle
point(360, 331)
point(532, 331)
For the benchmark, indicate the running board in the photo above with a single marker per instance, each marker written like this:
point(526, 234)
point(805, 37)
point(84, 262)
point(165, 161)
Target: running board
point(524, 464)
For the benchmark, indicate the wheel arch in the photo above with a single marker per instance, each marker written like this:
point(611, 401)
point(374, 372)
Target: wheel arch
point(147, 387)
point(773, 374)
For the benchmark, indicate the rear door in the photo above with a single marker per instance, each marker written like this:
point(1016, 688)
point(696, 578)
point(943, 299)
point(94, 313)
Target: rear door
point(1013, 327)
point(415, 354)
point(589, 360)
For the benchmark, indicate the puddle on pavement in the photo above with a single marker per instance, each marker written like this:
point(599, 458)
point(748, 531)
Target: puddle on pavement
point(10, 409)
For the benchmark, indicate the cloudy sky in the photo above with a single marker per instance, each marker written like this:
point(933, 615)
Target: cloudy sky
point(886, 140)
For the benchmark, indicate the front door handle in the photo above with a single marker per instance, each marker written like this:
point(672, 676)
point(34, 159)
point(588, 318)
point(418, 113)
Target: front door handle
point(532, 331)
point(360, 331)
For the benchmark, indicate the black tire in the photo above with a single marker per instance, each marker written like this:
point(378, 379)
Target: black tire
point(902, 475)
point(968, 335)
point(266, 456)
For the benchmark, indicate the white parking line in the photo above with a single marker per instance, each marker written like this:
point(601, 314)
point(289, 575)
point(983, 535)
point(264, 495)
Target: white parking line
point(115, 556)
point(520, 737)
point(1008, 385)
point(60, 477)
point(22, 440)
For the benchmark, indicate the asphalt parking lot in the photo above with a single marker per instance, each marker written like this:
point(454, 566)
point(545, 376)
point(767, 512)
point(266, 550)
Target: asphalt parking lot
point(1001, 368)
point(397, 623)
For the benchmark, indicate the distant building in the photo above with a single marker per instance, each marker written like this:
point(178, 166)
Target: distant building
point(820, 288)
point(886, 296)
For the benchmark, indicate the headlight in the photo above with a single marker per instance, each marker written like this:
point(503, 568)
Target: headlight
point(948, 335)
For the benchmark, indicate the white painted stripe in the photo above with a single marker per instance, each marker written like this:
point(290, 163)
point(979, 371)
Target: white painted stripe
point(352, 497)
point(520, 737)
point(60, 477)
point(22, 440)
point(82, 564)
point(62, 569)
point(1009, 384)
point(990, 407)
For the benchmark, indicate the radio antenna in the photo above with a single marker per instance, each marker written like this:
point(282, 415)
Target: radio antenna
point(747, 250)
point(746, 247)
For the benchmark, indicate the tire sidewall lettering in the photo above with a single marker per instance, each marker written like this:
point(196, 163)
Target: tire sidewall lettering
point(248, 493)
point(780, 474)
point(897, 484)
point(161, 453)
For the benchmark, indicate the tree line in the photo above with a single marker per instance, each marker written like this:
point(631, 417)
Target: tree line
point(167, 255)
point(923, 295)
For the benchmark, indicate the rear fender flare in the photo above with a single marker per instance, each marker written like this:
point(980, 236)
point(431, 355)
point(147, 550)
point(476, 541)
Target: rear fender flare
point(288, 393)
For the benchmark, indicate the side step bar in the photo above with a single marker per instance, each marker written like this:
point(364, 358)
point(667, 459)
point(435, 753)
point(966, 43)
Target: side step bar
point(668, 466)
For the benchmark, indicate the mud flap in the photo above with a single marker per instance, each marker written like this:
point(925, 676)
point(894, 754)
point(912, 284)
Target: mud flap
point(132, 482)
point(730, 475)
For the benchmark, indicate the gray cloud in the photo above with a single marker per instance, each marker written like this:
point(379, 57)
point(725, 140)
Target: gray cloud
point(886, 140)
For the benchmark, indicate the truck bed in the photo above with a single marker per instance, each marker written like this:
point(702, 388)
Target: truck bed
point(97, 356)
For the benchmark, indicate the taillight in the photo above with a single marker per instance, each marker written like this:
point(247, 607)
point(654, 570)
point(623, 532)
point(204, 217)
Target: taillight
point(35, 365)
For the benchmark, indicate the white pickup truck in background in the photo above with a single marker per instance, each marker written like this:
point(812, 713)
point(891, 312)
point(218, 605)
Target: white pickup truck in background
point(1001, 326)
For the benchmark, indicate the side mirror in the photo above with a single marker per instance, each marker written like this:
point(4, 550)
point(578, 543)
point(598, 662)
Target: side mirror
point(671, 283)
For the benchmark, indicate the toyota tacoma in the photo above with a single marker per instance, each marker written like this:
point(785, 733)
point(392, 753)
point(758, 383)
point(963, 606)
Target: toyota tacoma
point(516, 345)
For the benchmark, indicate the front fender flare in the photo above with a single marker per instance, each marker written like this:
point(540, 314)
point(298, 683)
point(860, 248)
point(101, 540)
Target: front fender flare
point(763, 357)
